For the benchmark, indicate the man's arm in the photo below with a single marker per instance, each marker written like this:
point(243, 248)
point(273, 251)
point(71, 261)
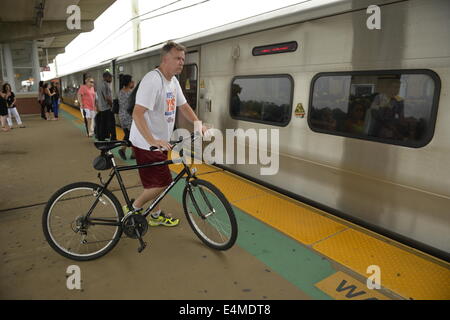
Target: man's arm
point(141, 124)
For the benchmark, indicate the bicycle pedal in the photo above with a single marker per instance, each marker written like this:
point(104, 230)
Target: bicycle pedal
point(142, 247)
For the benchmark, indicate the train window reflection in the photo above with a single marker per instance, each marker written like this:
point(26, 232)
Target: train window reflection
point(397, 107)
point(264, 99)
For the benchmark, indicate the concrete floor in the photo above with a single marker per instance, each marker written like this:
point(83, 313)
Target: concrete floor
point(46, 155)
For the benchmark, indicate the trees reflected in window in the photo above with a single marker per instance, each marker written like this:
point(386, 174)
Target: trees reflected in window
point(264, 99)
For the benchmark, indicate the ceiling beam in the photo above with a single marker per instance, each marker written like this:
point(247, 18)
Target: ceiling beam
point(52, 51)
point(19, 31)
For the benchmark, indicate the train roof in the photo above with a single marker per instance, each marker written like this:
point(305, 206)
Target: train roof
point(303, 11)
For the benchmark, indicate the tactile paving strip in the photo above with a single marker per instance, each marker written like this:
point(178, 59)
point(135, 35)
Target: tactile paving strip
point(291, 218)
point(402, 272)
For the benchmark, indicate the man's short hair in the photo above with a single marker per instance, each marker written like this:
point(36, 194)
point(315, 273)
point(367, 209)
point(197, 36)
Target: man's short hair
point(107, 74)
point(169, 46)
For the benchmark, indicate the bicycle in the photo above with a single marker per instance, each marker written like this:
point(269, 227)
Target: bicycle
point(84, 220)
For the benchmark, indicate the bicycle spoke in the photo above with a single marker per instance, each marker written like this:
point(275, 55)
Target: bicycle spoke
point(209, 216)
point(67, 227)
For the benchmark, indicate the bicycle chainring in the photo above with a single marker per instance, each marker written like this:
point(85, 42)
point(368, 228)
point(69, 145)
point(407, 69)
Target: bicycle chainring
point(135, 222)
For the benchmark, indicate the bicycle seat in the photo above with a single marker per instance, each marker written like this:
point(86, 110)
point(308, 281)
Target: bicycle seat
point(108, 145)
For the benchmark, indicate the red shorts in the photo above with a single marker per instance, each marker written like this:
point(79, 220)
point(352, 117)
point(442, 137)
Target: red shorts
point(153, 177)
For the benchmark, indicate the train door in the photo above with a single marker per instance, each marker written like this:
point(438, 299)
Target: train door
point(188, 79)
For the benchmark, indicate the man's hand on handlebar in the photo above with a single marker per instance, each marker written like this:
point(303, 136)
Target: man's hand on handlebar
point(161, 145)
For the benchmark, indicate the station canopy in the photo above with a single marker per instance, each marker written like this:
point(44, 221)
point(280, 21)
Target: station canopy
point(46, 22)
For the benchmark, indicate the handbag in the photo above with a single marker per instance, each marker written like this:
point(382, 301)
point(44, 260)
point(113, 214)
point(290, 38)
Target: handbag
point(115, 106)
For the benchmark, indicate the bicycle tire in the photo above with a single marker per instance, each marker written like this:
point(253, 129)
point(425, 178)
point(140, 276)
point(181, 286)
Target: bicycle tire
point(214, 196)
point(51, 211)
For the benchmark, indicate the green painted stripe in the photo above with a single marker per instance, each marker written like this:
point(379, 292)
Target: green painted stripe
point(296, 263)
point(287, 257)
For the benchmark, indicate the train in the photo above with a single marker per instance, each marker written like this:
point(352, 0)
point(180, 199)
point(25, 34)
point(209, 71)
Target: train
point(362, 113)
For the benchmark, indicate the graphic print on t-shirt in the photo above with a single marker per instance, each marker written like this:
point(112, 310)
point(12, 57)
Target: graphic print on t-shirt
point(170, 107)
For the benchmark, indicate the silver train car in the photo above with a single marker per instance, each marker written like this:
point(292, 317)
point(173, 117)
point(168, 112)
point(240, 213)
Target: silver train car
point(362, 112)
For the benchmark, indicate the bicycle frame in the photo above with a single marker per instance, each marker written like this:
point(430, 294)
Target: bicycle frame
point(116, 172)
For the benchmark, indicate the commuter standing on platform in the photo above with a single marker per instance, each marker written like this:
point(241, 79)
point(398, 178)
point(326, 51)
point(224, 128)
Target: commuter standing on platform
point(125, 117)
point(106, 119)
point(3, 111)
point(55, 99)
point(86, 99)
point(41, 99)
point(48, 102)
point(12, 110)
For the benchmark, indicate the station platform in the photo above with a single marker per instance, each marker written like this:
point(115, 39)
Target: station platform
point(285, 250)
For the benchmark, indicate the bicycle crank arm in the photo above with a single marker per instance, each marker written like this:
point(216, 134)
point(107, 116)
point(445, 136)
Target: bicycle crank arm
point(142, 243)
point(142, 246)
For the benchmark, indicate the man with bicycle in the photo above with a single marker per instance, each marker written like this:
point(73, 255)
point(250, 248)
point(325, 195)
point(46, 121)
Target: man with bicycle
point(157, 100)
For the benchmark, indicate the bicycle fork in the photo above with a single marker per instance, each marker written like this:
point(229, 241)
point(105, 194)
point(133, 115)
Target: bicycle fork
point(205, 198)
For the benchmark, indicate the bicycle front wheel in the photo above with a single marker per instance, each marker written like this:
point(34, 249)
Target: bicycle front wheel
point(71, 233)
point(210, 214)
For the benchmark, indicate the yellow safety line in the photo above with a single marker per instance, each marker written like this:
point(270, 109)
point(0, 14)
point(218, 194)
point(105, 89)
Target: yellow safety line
point(77, 114)
point(405, 271)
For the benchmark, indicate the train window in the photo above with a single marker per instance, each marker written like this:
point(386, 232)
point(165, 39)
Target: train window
point(395, 107)
point(188, 81)
point(263, 98)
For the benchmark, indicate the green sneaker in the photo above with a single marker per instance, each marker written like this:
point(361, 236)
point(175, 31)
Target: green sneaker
point(162, 220)
point(126, 210)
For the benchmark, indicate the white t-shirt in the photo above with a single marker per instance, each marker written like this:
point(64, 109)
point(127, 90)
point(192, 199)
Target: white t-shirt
point(161, 98)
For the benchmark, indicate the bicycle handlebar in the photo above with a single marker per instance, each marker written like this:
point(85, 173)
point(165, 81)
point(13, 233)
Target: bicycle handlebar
point(194, 136)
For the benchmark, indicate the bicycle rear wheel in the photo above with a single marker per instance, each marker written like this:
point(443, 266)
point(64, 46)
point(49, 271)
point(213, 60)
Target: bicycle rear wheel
point(69, 232)
point(210, 214)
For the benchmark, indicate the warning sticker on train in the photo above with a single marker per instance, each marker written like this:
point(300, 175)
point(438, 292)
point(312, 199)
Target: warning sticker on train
point(299, 111)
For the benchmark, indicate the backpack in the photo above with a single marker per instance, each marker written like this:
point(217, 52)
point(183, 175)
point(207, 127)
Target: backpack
point(132, 99)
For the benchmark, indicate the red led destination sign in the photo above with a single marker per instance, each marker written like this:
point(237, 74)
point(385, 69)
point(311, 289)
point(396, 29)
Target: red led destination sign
point(275, 48)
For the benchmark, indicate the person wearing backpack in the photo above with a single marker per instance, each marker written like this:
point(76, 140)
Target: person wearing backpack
point(125, 118)
point(157, 100)
point(107, 122)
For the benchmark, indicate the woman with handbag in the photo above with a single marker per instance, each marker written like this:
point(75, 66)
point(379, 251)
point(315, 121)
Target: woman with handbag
point(11, 103)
